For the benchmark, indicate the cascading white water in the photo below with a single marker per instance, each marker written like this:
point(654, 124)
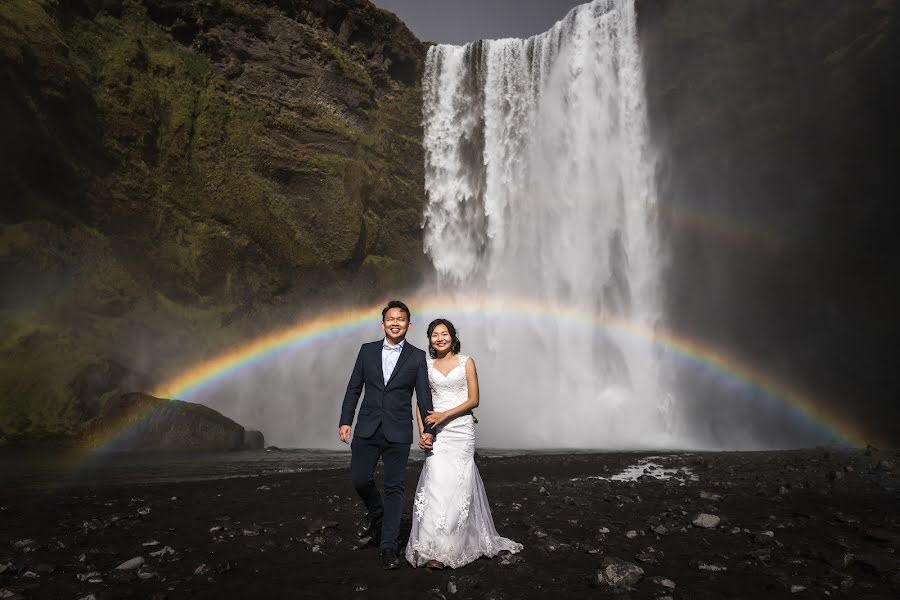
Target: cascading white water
point(540, 183)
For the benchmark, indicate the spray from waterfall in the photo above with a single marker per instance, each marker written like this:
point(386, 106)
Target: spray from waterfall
point(540, 182)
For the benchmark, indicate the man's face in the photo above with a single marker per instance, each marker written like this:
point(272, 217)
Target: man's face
point(395, 325)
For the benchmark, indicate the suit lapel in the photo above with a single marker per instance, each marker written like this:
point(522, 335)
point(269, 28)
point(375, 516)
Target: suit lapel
point(377, 354)
point(404, 354)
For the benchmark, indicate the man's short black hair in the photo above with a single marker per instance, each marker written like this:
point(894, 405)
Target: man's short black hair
point(396, 304)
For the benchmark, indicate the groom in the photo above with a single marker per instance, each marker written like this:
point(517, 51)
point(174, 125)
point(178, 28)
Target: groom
point(389, 369)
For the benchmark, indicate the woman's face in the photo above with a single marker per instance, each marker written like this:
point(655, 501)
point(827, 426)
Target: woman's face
point(440, 338)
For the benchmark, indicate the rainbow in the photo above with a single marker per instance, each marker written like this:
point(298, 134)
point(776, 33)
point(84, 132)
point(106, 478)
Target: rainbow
point(308, 332)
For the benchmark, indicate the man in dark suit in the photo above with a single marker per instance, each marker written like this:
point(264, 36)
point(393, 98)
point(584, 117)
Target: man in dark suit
point(390, 369)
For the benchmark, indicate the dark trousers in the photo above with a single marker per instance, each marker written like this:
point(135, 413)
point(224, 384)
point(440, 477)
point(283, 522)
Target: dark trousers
point(365, 453)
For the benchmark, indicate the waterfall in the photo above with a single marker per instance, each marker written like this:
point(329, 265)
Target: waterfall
point(540, 183)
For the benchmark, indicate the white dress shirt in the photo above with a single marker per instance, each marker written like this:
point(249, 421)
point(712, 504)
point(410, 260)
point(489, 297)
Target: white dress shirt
point(389, 356)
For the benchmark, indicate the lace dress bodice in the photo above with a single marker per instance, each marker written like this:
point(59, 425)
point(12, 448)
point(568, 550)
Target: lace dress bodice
point(450, 390)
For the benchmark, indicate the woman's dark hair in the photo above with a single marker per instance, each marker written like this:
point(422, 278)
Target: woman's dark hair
point(396, 304)
point(455, 346)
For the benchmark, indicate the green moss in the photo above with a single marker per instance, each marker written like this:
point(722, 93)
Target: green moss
point(351, 70)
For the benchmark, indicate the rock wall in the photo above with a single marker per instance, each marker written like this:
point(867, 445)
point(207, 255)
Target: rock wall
point(780, 138)
point(177, 175)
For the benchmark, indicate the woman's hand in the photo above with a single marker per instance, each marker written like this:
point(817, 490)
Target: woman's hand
point(435, 418)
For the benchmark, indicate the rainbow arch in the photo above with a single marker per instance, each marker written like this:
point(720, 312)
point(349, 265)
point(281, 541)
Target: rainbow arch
point(227, 364)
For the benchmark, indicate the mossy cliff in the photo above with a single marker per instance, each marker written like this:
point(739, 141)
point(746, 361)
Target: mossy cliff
point(175, 173)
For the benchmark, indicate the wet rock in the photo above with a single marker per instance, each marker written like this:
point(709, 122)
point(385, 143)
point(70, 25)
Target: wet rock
point(649, 555)
point(631, 534)
point(164, 551)
point(131, 563)
point(711, 567)
point(168, 425)
point(617, 573)
point(710, 496)
point(26, 545)
point(462, 584)
point(706, 521)
point(509, 559)
point(320, 525)
point(884, 465)
point(201, 569)
point(91, 577)
point(796, 588)
point(664, 582)
point(764, 537)
point(254, 440)
point(660, 530)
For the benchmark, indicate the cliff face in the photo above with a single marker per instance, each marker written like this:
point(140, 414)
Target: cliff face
point(780, 137)
point(172, 170)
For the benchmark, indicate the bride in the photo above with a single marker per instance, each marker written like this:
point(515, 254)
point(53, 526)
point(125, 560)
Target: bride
point(451, 521)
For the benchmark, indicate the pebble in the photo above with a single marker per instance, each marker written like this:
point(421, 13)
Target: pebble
point(163, 551)
point(92, 577)
point(131, 563)
point(795, 589)
point(706, 521)
point(714, 568)
point(631, 534)
point(202, 569)
point(663, 582)
point(617, 573)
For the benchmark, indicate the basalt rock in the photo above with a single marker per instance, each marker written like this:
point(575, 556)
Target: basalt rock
point(142, 422)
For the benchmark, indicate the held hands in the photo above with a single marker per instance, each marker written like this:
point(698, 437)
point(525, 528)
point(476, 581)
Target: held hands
point(435, 418)
point(344, 433)
point(426, 440)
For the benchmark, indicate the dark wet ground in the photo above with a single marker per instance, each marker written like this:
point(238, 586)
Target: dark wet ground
point(805, 524)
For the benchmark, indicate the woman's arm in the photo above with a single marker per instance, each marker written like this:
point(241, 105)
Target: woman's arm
point(436, 418)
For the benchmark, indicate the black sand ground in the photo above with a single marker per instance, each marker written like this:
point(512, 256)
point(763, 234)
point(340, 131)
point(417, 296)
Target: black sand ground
point(805, 524)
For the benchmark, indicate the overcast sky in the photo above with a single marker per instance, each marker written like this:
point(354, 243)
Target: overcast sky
point(462, 21)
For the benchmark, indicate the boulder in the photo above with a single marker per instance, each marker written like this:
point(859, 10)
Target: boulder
point(254, 440)
point(138, 421)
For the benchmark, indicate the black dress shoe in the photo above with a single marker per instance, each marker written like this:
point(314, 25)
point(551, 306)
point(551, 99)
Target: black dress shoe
point(389, 559)
point(368, 528)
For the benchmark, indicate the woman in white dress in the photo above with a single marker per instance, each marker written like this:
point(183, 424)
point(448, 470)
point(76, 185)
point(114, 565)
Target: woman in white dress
point(451, 521)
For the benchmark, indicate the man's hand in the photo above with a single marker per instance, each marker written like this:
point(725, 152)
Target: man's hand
point(426, 440)
point(344, 432)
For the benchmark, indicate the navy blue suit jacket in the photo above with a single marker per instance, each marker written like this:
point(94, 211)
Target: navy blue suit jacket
point(388, 405)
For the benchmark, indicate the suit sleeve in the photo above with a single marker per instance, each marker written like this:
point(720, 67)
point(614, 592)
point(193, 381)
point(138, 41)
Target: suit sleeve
point(354, 389)
point(423, 394)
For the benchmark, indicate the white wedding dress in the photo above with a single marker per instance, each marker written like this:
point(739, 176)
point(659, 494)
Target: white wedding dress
point(451, 520)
